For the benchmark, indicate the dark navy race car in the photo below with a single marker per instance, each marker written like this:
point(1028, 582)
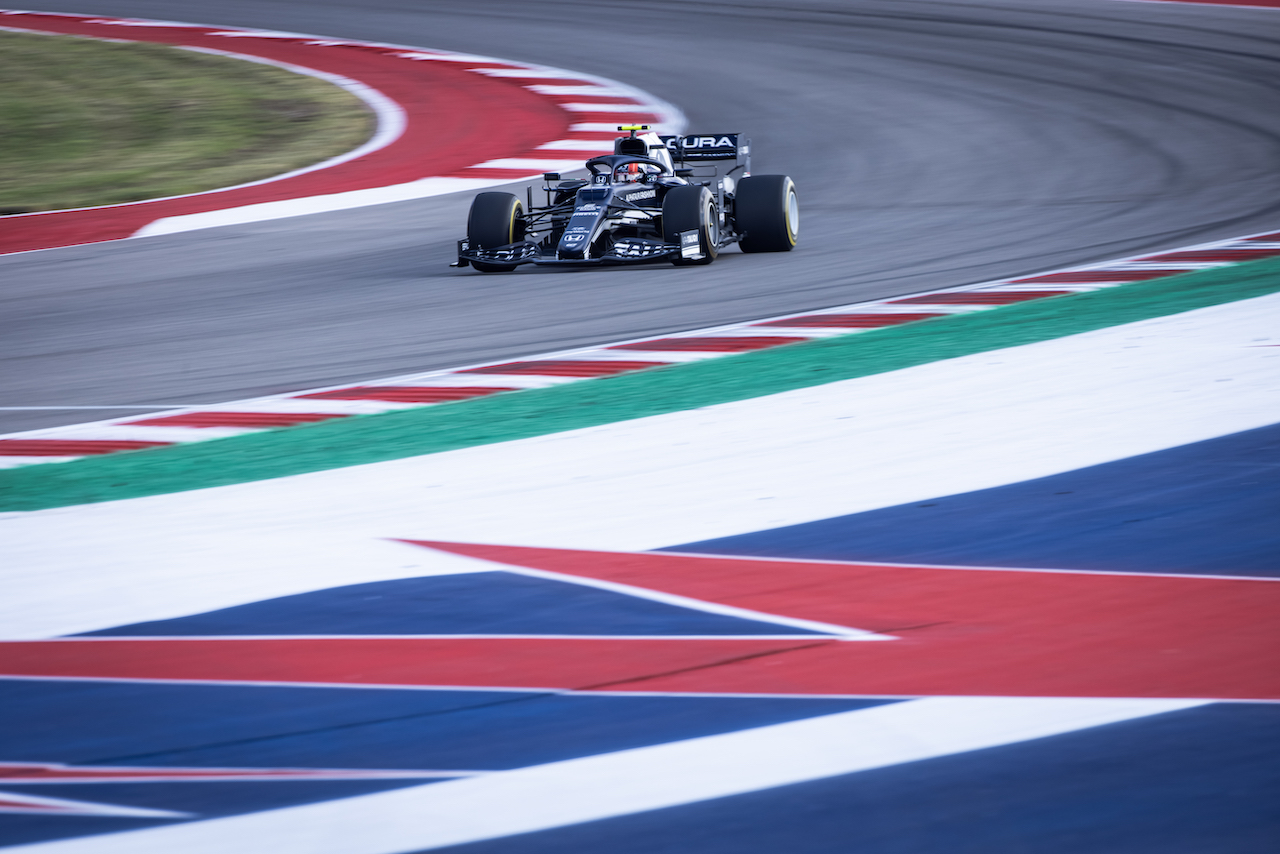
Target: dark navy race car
point(656, 198)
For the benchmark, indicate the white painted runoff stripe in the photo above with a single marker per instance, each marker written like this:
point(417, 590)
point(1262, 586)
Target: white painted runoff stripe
point(596, 108)
point(943, 428)
point(598, 91)
point(530, 164)
point(26, 804)
point(559, 794)
point(590, 146)
point(523, 73)
point(841, 632)
point(266, 211)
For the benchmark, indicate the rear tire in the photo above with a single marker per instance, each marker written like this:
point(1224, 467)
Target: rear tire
point(767, 212)
point(496, 219)
point(688, 208)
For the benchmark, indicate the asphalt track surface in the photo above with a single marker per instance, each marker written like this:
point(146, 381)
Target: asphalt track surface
point(934, 144)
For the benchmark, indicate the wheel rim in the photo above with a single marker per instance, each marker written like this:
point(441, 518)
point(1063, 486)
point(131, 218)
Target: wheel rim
point(516, 212)
point(713, 228)
point(793, 215)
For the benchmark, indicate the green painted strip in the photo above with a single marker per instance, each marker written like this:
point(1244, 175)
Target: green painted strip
point(519, 415)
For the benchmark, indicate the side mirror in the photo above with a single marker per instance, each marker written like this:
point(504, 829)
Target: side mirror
point(551, 176)
point(684, 172)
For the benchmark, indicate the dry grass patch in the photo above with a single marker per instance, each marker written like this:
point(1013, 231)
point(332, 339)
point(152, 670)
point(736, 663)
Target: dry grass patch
point(85, 122)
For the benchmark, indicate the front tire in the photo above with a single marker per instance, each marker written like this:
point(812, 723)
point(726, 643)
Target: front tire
point(496, 219)
point(767, 212)
point(688, 208)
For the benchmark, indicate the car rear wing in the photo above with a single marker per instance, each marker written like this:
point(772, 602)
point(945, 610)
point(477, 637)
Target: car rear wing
point(710, 149)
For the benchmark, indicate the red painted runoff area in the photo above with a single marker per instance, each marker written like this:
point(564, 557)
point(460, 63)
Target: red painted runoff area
point(957, 632)
point(965, 631)
point(489, 662)
point(69, 447)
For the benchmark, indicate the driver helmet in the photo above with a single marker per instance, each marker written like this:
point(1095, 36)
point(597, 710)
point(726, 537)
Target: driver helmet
point(630, 172)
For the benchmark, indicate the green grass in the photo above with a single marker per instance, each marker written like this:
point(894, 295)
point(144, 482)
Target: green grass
point(85, 122)
point(518, 415)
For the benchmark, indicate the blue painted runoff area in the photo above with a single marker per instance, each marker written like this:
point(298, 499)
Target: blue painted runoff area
point(1211, 507)
point(472, 603)
point(1188, 782)
point(182, 726)
point(202, 800)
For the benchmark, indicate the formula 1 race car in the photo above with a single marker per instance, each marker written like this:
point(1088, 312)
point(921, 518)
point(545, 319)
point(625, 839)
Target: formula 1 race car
point(645, 202)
